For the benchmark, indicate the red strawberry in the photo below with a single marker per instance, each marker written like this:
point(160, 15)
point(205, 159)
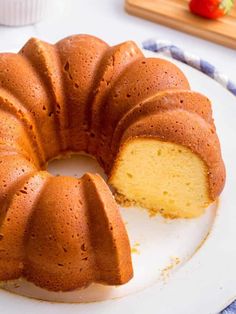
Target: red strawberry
point(211, 9)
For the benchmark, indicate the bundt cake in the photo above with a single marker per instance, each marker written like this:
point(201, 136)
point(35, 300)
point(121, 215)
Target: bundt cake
point(154, 137)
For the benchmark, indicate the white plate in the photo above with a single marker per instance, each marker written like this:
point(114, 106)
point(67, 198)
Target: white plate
point(171, 274)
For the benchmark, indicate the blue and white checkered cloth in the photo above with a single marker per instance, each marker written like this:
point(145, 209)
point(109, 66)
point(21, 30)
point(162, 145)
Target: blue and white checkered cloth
point(231, 309)
point(167, 48)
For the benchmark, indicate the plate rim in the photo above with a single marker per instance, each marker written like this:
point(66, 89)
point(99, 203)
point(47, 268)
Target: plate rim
point(121, 303)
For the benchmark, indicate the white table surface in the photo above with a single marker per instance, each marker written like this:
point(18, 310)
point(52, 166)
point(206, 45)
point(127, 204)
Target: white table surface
point(108, 20)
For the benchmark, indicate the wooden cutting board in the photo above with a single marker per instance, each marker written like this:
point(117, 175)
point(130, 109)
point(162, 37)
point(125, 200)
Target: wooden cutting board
point(175, 14)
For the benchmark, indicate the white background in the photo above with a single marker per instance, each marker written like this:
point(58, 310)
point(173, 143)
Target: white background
point(108, 20)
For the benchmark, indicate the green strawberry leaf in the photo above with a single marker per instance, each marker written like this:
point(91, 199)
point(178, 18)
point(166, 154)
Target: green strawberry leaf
point(226, 5)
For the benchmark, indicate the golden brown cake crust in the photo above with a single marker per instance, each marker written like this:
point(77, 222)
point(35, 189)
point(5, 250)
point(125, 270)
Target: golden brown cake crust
point(45, 59)
point(188, 129)
point(82, 241)
point(15, 114)
point(115, 61)
point(80, 57)
point(20, 78)
point(14, 225)
point(141, 80)
point(64, 233)
point(107, 233)
point(162, 101)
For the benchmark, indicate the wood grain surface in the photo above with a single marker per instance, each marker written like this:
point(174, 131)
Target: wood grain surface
point(175, 14)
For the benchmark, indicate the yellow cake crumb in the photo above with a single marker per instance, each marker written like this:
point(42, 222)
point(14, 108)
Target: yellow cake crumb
point(134, 249)
point(165, 273)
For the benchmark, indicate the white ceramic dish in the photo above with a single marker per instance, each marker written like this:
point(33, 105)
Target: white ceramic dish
point(172, 274)
point(25, 12)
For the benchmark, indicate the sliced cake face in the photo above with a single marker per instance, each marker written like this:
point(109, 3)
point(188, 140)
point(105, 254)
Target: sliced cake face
point(179, 145)
point(163, 177)
point(45, 59)
point(80, 58)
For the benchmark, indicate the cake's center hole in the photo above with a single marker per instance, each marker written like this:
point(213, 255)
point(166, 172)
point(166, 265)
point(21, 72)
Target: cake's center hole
point(75, 165)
